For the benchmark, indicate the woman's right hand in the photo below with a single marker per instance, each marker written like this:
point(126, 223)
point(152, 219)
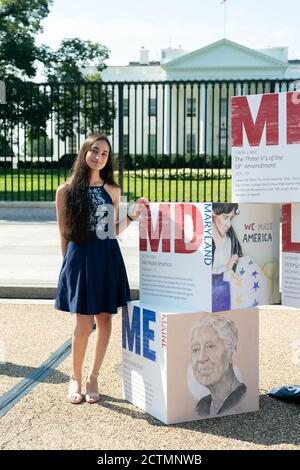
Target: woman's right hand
point(136, 210)
point(232, 261)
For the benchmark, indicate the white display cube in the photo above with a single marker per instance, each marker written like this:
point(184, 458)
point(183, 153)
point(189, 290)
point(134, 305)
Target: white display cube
point(265, 147)
point(291, 255)
point(185, 366)
point(209, 256)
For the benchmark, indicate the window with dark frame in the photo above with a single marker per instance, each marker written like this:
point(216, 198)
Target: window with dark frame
point(191, 107)
point(152, 144)
point(126, 144)
point(126, 107)
point(152, 107)
point(191, 143)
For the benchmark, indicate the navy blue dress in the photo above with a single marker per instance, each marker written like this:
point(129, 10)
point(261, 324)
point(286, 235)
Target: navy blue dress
point(93, 276)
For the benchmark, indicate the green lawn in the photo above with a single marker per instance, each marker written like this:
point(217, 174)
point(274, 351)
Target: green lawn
point(41, 186)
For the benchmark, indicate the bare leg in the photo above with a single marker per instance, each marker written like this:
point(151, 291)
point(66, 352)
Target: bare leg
point(103, 332)
point(84, 325)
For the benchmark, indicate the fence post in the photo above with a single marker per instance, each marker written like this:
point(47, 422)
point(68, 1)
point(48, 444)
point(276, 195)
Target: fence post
point(121, 132)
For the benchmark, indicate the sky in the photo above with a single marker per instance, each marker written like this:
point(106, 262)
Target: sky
point(124, 26)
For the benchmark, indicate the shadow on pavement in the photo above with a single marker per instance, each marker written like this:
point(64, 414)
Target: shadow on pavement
point(275, 423)
point(17, 370)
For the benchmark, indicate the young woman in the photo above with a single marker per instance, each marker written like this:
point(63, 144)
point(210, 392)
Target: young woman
point(93, 281)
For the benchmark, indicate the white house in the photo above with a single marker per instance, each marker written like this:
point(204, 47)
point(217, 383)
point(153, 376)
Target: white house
point(192, 117)
point(221, 60)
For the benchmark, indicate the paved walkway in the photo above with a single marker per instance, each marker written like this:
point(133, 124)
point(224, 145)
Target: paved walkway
point(44, 420)
point(31, 331)
point(30, 258)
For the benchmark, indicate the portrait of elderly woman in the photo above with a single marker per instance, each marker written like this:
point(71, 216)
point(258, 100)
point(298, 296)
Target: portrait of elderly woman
point(213, 344)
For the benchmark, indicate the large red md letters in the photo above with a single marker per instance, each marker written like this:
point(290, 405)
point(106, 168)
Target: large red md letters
point(267, 117)
point(162, 229)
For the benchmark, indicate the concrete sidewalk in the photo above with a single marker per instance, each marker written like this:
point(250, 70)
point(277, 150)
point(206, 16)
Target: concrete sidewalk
point(44, 420)
point(31, 331)
point(30, 257)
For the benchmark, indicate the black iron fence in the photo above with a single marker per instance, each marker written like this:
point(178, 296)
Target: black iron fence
point(171, 140)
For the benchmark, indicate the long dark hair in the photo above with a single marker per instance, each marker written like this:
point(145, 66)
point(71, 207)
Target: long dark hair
point(77, 200)
point(225, 208)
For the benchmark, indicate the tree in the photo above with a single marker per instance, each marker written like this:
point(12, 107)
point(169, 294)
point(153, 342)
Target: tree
point(41, 148)
point(81, 105)
point(30, 104)
point(20, 21)
point(73, 57)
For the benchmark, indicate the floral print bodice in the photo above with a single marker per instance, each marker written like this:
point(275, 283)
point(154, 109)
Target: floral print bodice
point(99, 200)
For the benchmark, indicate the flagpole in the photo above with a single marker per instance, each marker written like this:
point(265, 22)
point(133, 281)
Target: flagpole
point(225, 18)
point(223, 2)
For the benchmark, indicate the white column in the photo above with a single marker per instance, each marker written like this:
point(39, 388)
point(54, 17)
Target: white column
point(167, 118)
point(202, 122)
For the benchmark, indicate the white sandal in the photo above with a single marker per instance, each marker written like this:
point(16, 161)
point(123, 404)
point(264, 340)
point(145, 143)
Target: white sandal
point(74, 397)
point(92, 397)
